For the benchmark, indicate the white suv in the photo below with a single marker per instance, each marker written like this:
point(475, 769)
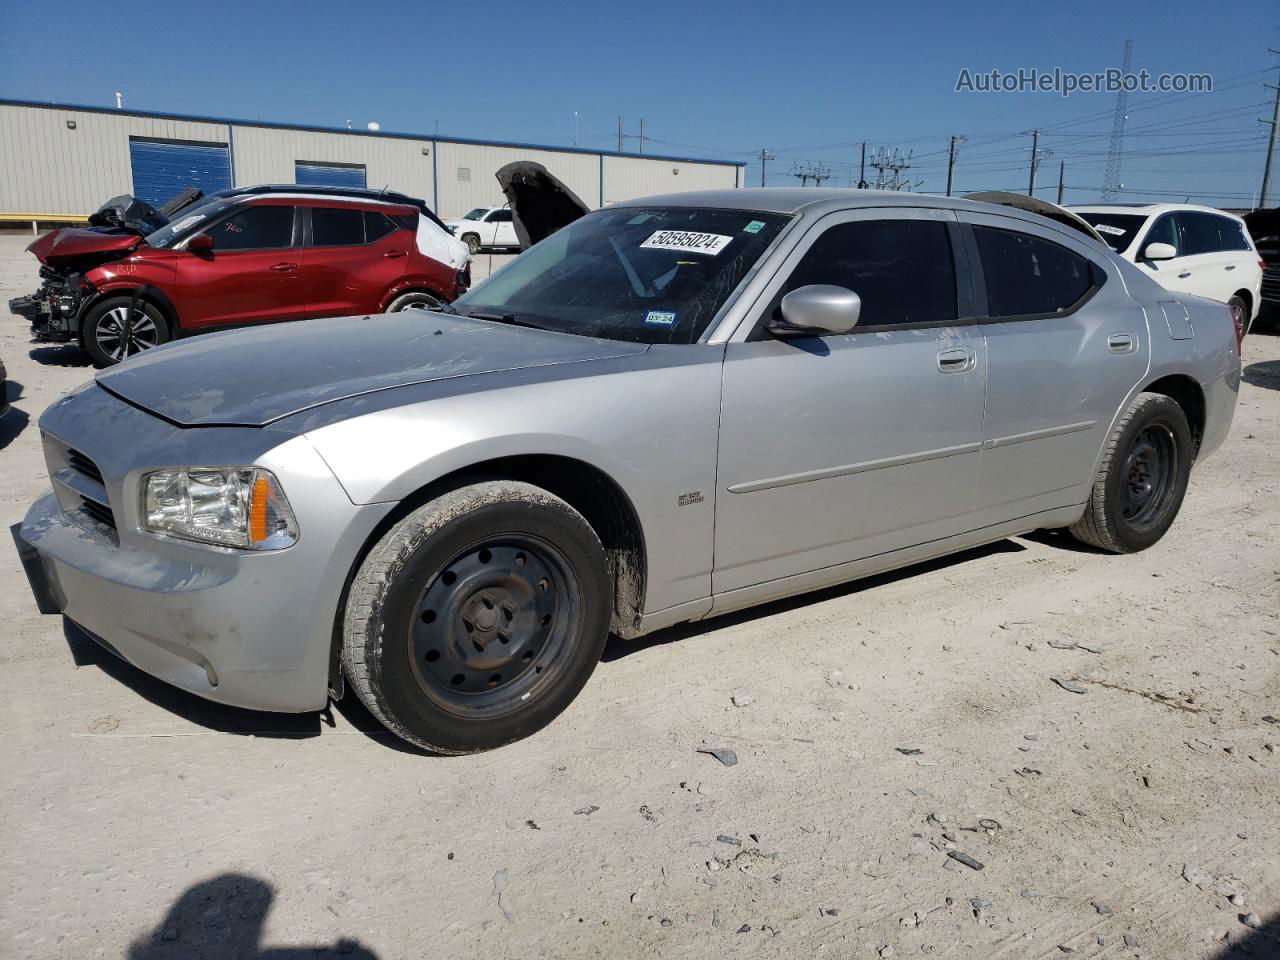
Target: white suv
point(1188, 249)
point(485, 227)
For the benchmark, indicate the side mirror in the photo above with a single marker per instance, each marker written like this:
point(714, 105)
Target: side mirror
point(1159, 251)
point(816, 310)
point(201, 245)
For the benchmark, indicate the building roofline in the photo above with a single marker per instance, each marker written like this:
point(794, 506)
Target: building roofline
point(390, 134)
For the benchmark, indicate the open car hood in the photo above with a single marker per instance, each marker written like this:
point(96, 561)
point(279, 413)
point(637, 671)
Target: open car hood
point(63, 248)
point(256, 376)
point(540, 203)
point(1020, 201)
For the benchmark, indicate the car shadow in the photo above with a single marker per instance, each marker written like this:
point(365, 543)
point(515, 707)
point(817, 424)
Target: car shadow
point(1259, 944)
point(223, 918)
point(61, 355)
point(15, 421)
point(617, 648)
point(1265, 374)
point(219, 717)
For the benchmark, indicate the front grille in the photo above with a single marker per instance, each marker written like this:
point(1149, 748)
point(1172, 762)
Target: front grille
point(98, 512)
point(83, 465)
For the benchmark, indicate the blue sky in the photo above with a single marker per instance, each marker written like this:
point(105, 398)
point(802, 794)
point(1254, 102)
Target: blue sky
point(808, 81)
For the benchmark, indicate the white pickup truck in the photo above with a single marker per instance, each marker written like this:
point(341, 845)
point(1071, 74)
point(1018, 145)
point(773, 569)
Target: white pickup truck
point(483, 227)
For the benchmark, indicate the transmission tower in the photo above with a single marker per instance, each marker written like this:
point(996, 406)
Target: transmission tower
point(817, 172)
point(1111, 180)
point(889, 168)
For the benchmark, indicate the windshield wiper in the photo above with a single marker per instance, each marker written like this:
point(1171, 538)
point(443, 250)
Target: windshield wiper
point(442, 307)
point(508, 318)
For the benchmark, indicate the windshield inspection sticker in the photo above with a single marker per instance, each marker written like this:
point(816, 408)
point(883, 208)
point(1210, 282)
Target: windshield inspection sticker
point(755, 226)
point(1107, 228)
point(708, 243)
point(661, 318)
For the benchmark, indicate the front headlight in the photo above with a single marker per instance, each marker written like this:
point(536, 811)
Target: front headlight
point(233, 507)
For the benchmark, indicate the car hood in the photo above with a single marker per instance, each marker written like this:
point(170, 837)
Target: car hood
point(540, 204)
point(62, 248)
point(257, 376)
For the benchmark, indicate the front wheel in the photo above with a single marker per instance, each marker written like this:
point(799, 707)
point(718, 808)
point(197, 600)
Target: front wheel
point(120, 327)
point(478, 617)
point(1142, 478)
point(473, 243)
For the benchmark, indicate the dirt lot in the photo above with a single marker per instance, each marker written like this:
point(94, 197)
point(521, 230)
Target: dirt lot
point(143, 822)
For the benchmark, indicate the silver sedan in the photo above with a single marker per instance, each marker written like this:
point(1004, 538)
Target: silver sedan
point(668, 409)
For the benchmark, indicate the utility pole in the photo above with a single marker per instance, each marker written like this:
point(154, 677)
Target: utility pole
point(862, 168)
point(765, 155)
point(619, 134)
point(951, 161)
point(1035, 162)
point(1271, 142)
point(575, 128)
point(1062, 172)
point(642, 134)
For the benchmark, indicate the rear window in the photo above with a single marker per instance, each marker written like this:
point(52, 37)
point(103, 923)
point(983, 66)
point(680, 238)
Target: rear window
point(1028, 276)
point(1117, 229)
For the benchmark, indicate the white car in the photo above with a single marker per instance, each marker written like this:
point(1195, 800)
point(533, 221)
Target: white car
point(1187, 249)
point(486, 227)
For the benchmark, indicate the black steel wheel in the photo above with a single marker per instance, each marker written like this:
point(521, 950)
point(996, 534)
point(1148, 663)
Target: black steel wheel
point(1142, 477)
point(478, 617)
point(118, 328)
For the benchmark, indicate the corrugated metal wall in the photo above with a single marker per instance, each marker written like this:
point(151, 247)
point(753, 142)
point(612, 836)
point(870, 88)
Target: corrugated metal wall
point(45, 167)
point(48, 168)
point(626, 178)
point(267, 155)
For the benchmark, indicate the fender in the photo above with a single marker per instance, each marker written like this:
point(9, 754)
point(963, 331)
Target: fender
point(407, 284)
point(142, 291)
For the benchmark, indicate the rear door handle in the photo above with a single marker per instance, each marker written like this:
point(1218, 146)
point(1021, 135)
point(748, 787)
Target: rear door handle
point(1231, 266)
point(394, 253)
point(956, 361)
point(285, 267)
point(1184, 274)
point(1122, 343)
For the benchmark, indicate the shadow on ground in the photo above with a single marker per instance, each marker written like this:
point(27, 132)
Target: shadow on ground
point(1265, 374)
point(15, 421)
point(223, 919)
point(61, 355)
point(618, 648)
point(1261, 944)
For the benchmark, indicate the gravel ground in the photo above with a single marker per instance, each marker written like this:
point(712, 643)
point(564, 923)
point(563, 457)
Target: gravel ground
point(143, 822)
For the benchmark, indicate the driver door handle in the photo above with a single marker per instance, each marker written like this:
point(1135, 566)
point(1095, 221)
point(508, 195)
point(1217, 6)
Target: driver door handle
point(956, 361)
point(285, 267)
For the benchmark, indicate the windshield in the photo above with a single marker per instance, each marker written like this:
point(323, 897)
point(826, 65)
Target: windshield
point(476, 214)
point(1118, 229)
point(186, 221)
point(646, 275)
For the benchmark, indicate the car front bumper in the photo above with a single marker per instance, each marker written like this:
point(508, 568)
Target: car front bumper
point(242, 628)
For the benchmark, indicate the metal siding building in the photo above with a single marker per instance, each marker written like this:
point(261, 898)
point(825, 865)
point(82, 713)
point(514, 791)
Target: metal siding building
point(67, 160)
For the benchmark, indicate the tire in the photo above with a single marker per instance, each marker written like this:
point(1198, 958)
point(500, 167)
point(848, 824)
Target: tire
point(424, 624)
point(1240, 315)
point(1142, 478)
point(109, 334)
point(472, 241)
point(415, 299)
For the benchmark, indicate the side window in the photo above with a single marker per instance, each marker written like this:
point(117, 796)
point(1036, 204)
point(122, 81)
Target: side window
point(1164, 231)
point(1232, 234)
point(902, 269)
point(1199, 233)
point(1029, 276)
point(376, 226)
point(500, 216)
point(334, 227)
point(254, 228)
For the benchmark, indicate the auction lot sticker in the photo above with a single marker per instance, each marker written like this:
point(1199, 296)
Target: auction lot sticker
point(689, 242)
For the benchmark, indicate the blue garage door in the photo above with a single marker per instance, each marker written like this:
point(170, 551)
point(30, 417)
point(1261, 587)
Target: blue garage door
point(328, 174)
point(162, 168)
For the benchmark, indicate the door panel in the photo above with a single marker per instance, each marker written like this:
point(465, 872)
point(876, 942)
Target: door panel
point(841, 447)
point(342, 275)
point(1054, 387)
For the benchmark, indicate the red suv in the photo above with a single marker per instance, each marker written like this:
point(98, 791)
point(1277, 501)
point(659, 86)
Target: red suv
point(234, 259)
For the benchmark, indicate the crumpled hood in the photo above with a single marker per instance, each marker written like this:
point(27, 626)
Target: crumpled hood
point(62, 247)
point(256, 376)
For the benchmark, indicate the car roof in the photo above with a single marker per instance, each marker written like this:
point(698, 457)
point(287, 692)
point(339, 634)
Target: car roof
point(360, 203)
point(1147, 209)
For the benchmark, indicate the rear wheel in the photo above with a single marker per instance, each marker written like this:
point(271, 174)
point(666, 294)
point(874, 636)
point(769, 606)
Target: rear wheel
point(414, 300)
point(1142, 478)
point(478, 617)
point(1240, 315)
point(120, 327)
